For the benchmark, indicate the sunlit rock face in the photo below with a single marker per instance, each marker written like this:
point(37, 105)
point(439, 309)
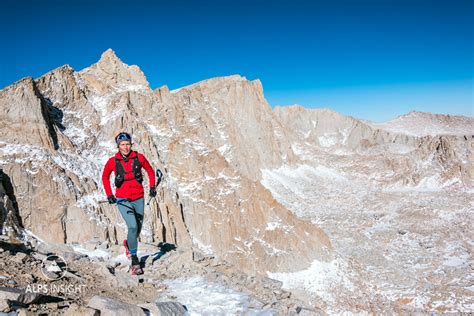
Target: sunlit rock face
point(211, 140)
point(349, 214)
point(396, 202)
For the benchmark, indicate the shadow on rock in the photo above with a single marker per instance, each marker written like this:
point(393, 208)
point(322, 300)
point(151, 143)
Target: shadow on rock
point(164, 248)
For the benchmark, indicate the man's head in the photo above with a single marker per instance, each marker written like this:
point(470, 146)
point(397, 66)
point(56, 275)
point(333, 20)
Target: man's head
point(124, 143)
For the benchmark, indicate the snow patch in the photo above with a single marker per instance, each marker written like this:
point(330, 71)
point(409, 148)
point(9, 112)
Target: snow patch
point(202, 297)
point(35, 152)
point(428, 184)
point(272, 225)
point(99, 102)
point(75, 134)
point(131, 87)
point(328, 140)
point(206, 249)
point(96, 253)
point(90, 200)
point(320, 278)
point(456, 261)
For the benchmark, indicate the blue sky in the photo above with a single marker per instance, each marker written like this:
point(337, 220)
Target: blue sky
point(370, 59)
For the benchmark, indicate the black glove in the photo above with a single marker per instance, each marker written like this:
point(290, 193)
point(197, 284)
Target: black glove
point(112, 199)
point(152, 191)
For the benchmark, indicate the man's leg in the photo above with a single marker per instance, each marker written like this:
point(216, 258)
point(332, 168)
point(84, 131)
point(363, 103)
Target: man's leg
point(139, 206)
point(128, 214)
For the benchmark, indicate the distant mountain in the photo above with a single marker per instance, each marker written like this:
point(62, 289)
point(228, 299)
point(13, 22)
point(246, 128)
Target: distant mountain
point(428, 124)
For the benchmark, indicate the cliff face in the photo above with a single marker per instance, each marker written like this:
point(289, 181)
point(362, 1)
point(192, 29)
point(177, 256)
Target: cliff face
point(250, 185)
point(211, 139)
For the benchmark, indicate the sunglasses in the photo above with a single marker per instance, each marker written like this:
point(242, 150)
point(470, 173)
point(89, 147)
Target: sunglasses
point(123, 137)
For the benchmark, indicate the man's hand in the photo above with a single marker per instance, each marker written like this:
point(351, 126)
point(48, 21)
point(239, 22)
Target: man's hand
point(152, 191)
point(112, 199)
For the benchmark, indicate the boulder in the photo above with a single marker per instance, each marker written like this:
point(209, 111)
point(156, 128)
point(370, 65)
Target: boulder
point(165, 308)
point(76, 310)
point(4, 305)
point(271, 284)
point(65, 251)
point(19, 257)
point(19, 295)
point(124, 280)
point(110, 307)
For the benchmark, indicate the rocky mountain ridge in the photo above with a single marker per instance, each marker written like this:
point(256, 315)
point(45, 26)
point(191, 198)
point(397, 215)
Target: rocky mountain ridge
point(216, 141)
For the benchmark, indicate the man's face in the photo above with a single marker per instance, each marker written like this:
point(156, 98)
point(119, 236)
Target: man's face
point(125, 147)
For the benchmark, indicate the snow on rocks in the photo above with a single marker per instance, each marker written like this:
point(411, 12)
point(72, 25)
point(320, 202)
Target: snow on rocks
point(321, 278)
point(399, 242)
point(203, 297)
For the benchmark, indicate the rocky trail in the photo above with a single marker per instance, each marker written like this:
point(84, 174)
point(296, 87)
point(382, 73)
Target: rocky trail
point(102, 285)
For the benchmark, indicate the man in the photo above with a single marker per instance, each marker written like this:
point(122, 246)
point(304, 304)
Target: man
point(127, 165)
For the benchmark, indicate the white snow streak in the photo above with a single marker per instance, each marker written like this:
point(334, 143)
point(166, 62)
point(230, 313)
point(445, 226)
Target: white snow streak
point(202, 297)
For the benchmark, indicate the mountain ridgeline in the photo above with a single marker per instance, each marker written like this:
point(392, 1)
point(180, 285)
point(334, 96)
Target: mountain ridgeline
point(212, 140)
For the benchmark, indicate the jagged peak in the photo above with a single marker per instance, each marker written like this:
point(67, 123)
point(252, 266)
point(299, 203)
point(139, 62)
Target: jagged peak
point(109, 57)
point(109, 61)
point(111, 71)
point(22, 82)
point(25, 80)
point(61, 69)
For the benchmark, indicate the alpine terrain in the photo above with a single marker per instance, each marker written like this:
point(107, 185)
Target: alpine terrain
point(261, 210)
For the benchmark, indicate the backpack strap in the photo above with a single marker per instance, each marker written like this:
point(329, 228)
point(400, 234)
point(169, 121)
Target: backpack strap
point(120, 171)
point(137, 169)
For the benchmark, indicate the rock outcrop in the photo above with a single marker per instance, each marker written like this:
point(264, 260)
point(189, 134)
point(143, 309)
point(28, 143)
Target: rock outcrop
point(217, 142)
point(211, 139)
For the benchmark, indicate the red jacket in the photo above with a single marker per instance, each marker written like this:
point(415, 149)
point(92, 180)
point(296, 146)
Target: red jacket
point(130, 189)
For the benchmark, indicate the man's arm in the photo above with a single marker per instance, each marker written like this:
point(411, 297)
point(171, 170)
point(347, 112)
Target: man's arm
point(109, 167)
point(149, 170)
